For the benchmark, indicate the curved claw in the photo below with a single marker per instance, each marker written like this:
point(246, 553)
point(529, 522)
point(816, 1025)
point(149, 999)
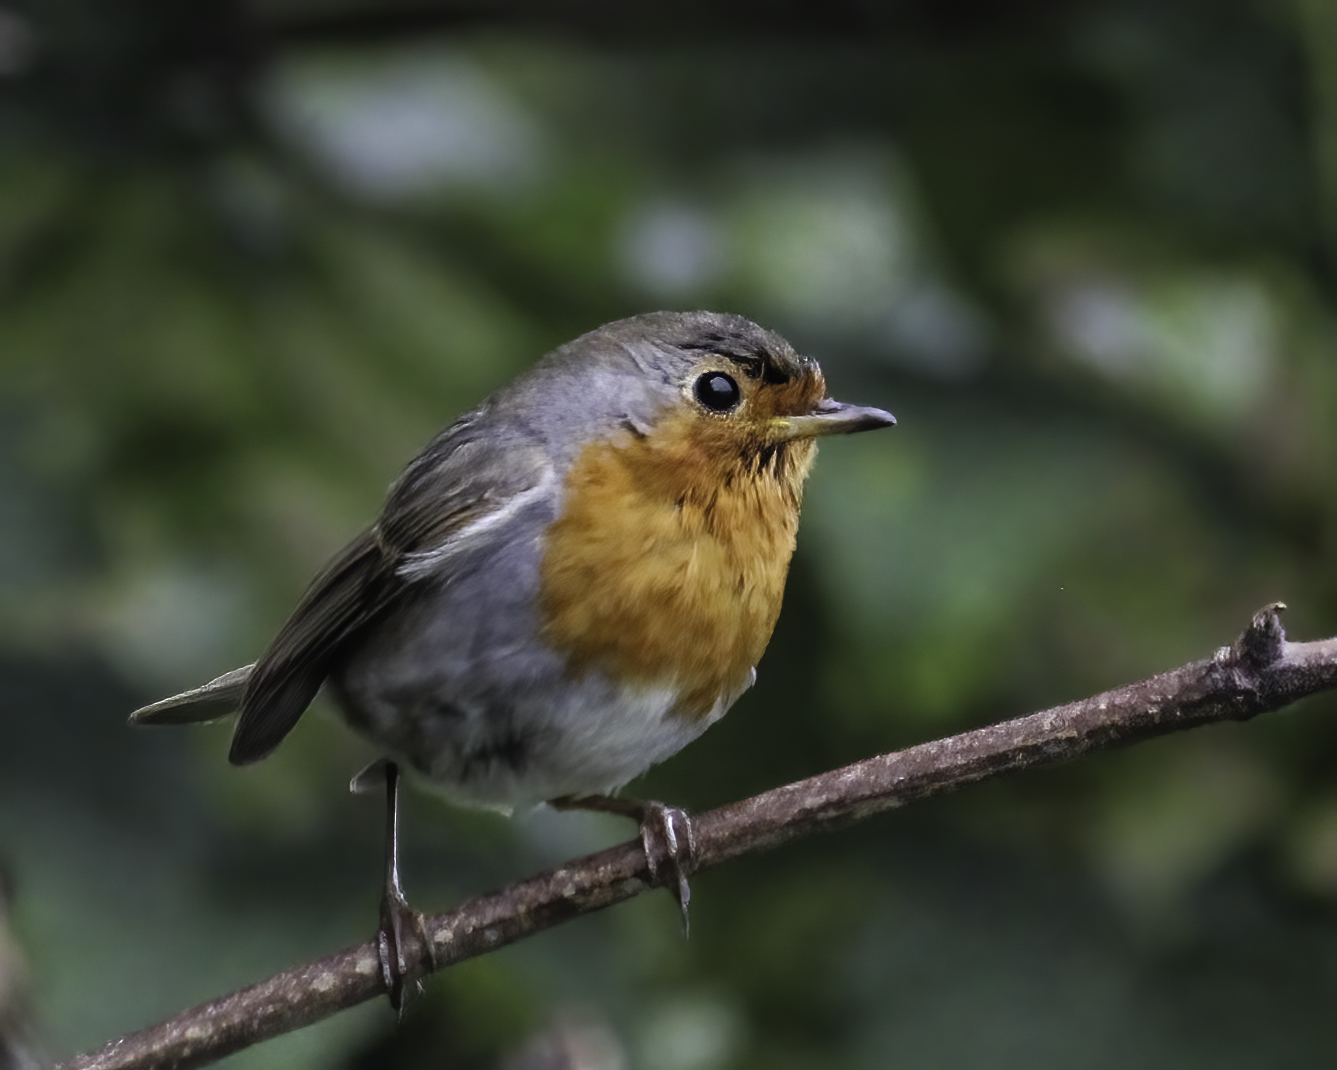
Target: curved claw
point(674, 827)
point(403, 931)
point(658, 822)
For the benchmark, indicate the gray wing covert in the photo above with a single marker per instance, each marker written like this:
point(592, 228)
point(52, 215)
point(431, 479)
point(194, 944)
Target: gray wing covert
point(466, 483)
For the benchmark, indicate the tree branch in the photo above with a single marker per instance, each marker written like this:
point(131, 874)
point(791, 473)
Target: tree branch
point(1261, 671)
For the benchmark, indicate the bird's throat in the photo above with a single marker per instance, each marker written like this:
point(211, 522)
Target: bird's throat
point(667, 564)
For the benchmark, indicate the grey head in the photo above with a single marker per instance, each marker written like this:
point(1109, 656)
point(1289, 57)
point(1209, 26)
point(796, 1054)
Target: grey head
point(627, 372)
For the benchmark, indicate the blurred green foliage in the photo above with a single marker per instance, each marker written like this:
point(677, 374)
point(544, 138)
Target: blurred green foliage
point(252, 257)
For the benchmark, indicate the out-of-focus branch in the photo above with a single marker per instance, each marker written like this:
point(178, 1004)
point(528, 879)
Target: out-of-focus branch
point(1261, 671)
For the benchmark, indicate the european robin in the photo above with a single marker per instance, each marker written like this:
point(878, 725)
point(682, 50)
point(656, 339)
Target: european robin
point(569, 584)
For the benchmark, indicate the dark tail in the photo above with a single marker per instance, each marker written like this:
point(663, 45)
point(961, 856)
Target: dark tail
point(216, 699)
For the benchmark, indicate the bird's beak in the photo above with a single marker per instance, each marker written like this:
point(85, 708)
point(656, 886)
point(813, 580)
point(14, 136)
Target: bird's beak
point(833, 418)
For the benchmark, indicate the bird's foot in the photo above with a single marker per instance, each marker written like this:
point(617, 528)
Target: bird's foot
point(403, 946)
point(666, 836)
point(673, 827)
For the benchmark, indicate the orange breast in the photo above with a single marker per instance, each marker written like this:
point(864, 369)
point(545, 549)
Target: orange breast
point(668, 563)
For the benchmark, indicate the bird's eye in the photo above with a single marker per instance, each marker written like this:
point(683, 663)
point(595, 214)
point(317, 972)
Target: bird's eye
point(717, 392)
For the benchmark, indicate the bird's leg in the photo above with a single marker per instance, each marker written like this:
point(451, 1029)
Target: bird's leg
point(659, 824)
point(398, 920)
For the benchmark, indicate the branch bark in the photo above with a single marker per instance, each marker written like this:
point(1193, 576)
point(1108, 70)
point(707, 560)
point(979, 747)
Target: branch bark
point(1260, 671)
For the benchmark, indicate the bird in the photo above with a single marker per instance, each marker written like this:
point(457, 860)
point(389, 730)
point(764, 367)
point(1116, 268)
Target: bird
point(570, 583)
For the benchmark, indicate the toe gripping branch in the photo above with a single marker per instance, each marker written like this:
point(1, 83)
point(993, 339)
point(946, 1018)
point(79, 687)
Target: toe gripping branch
point(673, 827)
point(403, 945)
point(666, 837)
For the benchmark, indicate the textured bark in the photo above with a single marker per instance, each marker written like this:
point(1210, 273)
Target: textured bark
point(1261, 671)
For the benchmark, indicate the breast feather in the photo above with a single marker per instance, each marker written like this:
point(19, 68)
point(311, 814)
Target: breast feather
point(668, 562)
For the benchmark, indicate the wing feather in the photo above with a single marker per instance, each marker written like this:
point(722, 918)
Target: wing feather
point(464, 484)
point(350, 592)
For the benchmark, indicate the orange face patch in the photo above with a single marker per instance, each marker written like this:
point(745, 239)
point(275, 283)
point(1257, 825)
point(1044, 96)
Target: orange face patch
point(668, 563)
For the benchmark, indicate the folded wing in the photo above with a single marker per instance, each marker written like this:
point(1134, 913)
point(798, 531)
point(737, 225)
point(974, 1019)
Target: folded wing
point(464, 486)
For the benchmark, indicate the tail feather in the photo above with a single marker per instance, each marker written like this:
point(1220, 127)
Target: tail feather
point(214, 700)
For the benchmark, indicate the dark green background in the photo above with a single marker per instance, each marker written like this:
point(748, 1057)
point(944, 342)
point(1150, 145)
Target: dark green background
point(253, 255)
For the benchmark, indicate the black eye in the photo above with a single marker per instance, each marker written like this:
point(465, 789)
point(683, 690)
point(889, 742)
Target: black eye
point(717, 392)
